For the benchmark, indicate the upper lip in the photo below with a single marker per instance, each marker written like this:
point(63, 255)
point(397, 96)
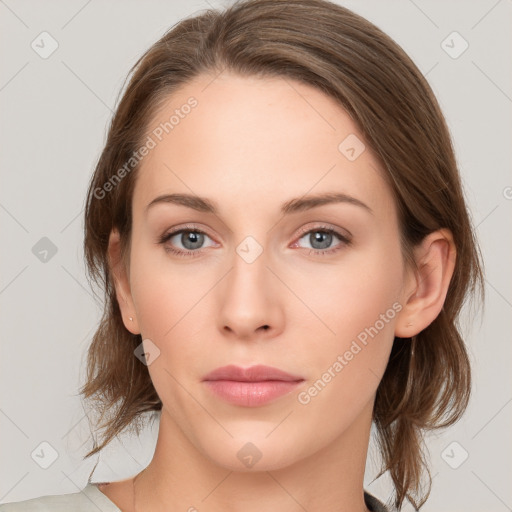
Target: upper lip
point(256, 373)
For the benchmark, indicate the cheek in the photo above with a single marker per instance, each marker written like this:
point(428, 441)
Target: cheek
point(345, 374)
point(352, 298)
point(162, 292)
point(358, 307)
point(171, 301)
point(168, 302)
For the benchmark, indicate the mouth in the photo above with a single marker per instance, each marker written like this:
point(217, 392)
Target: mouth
point(251, 387)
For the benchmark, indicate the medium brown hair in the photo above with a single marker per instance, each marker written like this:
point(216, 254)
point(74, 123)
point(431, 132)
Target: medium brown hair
point(427, 381)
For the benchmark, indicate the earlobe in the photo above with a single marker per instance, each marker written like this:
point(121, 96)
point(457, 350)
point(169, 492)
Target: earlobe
point(435, 258)
point(121, 283)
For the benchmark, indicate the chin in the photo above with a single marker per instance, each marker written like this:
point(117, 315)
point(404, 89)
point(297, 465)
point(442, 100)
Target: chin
point(255, 450)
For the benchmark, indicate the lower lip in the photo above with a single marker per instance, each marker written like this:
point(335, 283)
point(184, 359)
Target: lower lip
point(251, 394)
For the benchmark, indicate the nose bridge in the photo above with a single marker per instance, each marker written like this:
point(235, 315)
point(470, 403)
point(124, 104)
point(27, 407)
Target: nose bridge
point(249, 276)
point(249, 298)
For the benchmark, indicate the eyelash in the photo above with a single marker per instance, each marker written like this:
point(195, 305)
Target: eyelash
point(345, 241)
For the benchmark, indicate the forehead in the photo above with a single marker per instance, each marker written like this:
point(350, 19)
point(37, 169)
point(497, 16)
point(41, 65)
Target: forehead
point(250, 137)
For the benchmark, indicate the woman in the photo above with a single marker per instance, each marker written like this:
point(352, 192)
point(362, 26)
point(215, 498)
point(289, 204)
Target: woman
point(278, 223)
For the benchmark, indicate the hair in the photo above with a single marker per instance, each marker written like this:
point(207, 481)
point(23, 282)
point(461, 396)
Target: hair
point(427, 382)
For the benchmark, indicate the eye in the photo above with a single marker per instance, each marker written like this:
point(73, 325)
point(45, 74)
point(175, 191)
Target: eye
point(190, 241)
point(185, 241)
point(321, 238)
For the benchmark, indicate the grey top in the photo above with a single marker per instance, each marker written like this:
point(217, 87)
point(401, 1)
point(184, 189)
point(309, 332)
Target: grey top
point(91, 499)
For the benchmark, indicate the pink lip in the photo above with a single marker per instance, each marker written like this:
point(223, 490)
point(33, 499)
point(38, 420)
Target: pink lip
point(252, 386)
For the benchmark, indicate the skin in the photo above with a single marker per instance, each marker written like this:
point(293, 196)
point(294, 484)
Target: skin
point(250, 145)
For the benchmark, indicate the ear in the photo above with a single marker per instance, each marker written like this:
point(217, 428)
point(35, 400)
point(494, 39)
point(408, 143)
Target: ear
point(122, 283)
point(426, 288)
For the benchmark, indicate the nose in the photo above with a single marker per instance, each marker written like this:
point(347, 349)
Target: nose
point(250, 300)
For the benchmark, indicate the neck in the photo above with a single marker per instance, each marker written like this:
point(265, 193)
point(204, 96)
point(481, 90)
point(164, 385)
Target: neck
point(183, 478)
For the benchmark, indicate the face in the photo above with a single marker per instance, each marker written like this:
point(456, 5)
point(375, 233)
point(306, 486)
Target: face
point(258, 273)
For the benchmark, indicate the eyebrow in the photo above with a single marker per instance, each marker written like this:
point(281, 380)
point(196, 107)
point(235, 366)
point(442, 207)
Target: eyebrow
point(202, 204)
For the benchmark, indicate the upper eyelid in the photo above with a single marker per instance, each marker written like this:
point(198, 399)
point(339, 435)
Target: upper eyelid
point(343, 232)
point(180, 229)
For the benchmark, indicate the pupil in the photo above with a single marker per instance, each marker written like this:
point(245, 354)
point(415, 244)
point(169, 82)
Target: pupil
point(193, 238)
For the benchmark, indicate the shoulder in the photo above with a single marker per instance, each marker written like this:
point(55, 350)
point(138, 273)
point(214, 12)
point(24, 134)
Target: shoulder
point(89, 499)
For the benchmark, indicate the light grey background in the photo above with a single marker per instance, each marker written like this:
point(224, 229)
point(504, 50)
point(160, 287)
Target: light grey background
point(54, 114)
